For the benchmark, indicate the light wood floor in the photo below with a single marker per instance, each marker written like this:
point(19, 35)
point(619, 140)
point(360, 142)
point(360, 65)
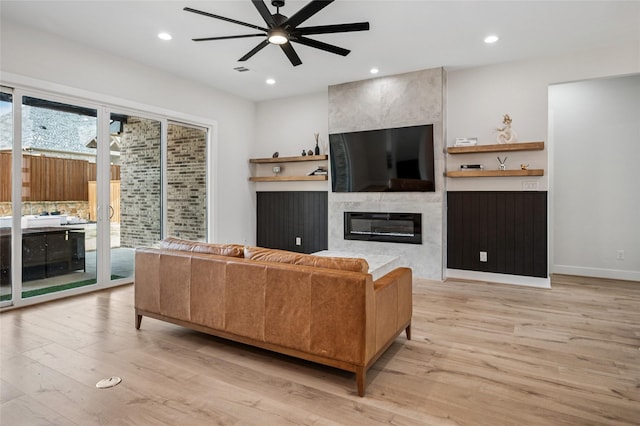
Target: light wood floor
point(481, 354)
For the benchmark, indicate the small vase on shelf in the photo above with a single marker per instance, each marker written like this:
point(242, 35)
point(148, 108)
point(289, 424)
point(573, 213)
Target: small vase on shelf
point(317, 149)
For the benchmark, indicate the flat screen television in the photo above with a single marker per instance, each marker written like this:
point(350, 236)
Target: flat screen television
point(398, 159)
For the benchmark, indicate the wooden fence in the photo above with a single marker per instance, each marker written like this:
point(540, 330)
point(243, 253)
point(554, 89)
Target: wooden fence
point(50, 178)
point(5, 176)
point(114, 201)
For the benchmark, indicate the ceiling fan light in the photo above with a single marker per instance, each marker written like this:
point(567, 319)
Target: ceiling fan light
point(278, 37)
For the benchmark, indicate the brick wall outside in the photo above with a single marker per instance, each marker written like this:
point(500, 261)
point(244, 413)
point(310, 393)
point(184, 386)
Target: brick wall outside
point(140, 179)
point(186, 182)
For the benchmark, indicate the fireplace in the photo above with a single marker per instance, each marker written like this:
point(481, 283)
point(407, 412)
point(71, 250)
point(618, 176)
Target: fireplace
point(383, 227)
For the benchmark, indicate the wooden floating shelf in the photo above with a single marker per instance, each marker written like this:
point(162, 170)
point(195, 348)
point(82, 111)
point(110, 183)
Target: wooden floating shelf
point(289, 159)
point(286, 178)
point(495, 173)
point(521, 146)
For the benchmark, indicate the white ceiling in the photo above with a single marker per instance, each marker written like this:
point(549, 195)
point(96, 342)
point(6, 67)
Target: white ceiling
point(404, 36)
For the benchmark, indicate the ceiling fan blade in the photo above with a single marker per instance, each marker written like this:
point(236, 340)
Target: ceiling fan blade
point(338, 28)
point(227, 37)
point(233, 21)
point(288, 50)
point(255, 50)
point(321, 45)
point(307, 12)
point(264, 12)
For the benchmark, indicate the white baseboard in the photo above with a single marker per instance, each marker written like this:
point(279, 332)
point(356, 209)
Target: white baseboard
point(614, 274)
point(499, 278)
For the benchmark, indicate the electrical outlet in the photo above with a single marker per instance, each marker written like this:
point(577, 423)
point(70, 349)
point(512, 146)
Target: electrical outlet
point(620, 255)
point(483, 256)
point(298, 241)
point(530, 186)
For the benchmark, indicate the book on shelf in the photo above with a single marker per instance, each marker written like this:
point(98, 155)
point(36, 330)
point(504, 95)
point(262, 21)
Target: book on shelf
point(466, 141)
point(471, 167)
point(320, 171)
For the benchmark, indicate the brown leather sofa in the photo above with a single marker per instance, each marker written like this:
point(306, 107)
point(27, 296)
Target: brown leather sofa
point(322, 309)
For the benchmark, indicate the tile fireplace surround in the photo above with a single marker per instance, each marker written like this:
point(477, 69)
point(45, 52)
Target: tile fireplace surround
point(409, 99)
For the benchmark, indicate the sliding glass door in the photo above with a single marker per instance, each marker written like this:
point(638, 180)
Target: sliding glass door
point(85, 184)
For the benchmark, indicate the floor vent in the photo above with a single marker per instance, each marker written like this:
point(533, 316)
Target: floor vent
point(108, 383)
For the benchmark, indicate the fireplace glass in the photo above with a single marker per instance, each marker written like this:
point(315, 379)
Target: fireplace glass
point(383, 227)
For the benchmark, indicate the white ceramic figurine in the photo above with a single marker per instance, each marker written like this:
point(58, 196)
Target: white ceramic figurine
point(506, 134)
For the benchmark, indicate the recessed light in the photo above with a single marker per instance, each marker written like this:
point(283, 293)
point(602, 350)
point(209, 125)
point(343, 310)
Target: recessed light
point(271, 81)
point(165, 36)
point(374, 70)
point(491, 39)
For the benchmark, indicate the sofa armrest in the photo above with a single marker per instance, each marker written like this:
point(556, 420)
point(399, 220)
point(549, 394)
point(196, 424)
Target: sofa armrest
point(394, 305)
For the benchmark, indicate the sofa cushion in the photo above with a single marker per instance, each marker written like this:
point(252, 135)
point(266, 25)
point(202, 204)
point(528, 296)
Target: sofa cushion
point(283, 256)
point(230, 250)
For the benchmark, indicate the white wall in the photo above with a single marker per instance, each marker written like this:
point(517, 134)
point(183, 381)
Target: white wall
point(596, 200)
point(477, 98)
point(288, 126)
point(51, 62)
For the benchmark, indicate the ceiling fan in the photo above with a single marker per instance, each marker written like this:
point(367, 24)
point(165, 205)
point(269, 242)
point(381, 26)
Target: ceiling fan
point(282, 30)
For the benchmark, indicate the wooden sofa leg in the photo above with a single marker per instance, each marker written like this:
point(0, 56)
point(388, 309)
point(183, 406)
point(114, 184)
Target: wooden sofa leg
point(408, 332)
point(361, 380)
point(138, 321)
